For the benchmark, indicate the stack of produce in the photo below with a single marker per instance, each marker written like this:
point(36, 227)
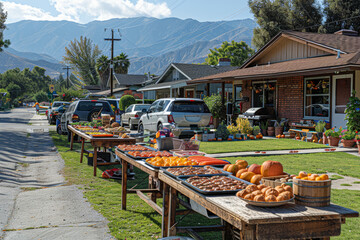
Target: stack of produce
point(148, 154)
point(216, 183)
point(180, 161)
point(311, 177)
point(184, 171)
point(262, 193)
point(124, 147)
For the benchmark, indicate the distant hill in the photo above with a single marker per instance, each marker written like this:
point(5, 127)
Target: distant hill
point(150, 43)
point(10, 61)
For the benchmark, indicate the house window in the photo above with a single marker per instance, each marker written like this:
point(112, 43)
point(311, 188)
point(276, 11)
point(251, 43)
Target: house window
point(317, 97)
point(264, 94)
point(175, 75)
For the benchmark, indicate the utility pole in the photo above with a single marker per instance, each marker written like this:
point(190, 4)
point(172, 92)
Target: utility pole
point(112, 39)
point(67, 75)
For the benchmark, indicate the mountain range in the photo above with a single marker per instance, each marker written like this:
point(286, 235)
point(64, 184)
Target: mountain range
point(150, 43)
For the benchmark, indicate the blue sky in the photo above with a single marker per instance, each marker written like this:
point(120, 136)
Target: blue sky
point(84, 11)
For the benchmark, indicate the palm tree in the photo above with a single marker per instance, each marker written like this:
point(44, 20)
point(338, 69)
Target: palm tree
point(103, 68)
point(121, 64)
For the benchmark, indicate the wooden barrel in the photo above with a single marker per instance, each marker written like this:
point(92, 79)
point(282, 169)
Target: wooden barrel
point(312, 193)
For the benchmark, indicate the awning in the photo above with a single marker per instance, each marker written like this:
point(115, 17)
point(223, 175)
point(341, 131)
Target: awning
point(164, 85)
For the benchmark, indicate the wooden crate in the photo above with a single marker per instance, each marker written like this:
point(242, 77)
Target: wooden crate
point(312, 193)
point(270, 181)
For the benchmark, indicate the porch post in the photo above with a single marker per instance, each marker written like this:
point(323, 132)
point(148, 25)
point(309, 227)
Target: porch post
point(170, 92)
point(208, 89)
point(223, 93)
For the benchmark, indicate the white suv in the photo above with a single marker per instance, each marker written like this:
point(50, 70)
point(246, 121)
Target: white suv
point(187, 114)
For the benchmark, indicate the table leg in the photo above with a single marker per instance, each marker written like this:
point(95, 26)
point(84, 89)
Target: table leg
point(95, 160)
point(172, 212)
point(71, 140)
point(165, 210)
point(226, 234)
point(152, 185)
point(82, 149)
point(124, 167)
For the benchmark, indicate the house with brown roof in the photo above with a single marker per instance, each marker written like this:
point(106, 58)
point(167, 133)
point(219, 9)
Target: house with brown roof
point(298, 75)
point(173, 81)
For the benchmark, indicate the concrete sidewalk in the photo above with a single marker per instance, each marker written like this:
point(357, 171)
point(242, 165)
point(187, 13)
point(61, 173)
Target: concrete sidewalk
point(282, 152)
point(35, 202)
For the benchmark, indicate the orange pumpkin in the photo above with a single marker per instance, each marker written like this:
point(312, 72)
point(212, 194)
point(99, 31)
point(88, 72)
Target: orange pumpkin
point(226, 167)
point(271, 168)
point(247, 176)
point(283, 136)
point(241, 163)
point(255, 168)
point(233, 168)
point(241, 171)
point(229, 139)
point(256, 179)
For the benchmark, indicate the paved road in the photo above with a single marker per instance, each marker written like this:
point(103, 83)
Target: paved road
point(34, 202)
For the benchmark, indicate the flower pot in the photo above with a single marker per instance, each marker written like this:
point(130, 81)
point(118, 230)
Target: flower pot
point(271, 129)
point(348, 143)
point(270, 133)
point(325, 139)
point(334, 141)
point(279, 131)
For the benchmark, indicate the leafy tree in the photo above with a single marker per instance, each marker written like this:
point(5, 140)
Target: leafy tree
point(339, 9)
point(14, 90)
point(121, 63)
point(217, 109)
point(3, 16)
point(81, 55)
point(41, 97)
point(274, 16)
point(103, 69)
point(238, 52)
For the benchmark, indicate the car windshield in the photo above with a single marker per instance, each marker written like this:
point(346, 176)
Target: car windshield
point(57, 104)
point(90, 105)
point(189, 106)
point(141, 107)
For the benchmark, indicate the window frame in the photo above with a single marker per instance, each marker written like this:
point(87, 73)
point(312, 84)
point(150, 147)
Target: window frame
point(317, 95)
point(263, 102)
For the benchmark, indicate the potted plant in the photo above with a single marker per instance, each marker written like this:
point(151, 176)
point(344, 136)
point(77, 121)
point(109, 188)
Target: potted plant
point(222, 133)
point(244, 126)
point(271, 130)
point(357, 140)
point(320, 128)
point(264, 126)
point(233, 130)
point(256, 130)
point(347, 138)
point(279, 128)
point(333, 136)
point(216, 107)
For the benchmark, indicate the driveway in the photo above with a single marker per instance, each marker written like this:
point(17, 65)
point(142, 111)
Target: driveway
point(35, 202)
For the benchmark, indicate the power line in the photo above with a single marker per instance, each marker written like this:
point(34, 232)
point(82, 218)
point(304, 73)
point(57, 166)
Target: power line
point(325, 24)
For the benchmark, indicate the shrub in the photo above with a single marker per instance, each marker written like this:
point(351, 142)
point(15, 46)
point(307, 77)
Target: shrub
point(126, 101)
point(353, 113)
point(217, 109)
point(244, 126)
point(41, 97)
point(222, 132)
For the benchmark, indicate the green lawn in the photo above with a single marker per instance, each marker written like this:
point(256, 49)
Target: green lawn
point(140, 221)
point(338, 162)
point(256, 145)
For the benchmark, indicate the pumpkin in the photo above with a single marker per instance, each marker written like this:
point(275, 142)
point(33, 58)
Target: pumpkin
point(241, 171)
point(242, 163)
point(283, 136)
point(256, 179)
point(226, 167)
point(259, 136)
point(255, 168)
point(271, 168)
point(247, 176)
point(229, 139)
point(233, 168)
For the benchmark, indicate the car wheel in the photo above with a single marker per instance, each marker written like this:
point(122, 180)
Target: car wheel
point(58, 130)
point(141, 128)
point(160, 126)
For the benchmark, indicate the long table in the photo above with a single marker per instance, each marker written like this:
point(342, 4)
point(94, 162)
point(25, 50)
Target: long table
point(97, 142)
point(238, 218)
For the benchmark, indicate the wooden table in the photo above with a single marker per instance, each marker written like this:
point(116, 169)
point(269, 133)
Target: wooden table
point(97, 142)
point(303, 132)
point(287, 222)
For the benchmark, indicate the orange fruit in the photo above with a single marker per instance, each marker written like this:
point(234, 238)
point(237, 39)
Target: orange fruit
point(324, 177)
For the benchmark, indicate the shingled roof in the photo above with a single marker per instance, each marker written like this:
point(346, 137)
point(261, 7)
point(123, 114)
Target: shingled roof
point(303, 66)
point(196, 71)
point(129, 79)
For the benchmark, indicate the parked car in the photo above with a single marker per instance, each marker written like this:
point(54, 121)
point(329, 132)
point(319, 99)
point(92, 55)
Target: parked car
point(132, 115)
point(61, 110)
point(84, 110)
point(114, 103)
point(54, 110)
point(187, 114)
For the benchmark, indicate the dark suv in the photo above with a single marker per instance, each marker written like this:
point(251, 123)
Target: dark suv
point(84, 110)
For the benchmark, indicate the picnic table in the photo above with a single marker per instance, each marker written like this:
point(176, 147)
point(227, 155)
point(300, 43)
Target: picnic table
point(97, 142)
point(238, 218)
point(303, 132)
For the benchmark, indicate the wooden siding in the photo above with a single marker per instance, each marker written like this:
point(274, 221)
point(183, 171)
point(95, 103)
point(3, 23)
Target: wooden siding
point(357, 83)
point(286, 49)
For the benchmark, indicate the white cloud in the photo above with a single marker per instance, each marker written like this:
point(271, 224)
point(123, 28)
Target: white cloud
point(79, 10)
point(17, 12)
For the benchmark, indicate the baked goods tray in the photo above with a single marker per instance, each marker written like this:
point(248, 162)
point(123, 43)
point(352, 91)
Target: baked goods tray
point(268, 204)
point(149, 149)
point(223, 173)
point(222, 192)
point(185, 166)
point(137, 158)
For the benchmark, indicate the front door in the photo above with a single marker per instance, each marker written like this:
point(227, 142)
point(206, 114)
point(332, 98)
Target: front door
point(341, 91)
point(189, 93)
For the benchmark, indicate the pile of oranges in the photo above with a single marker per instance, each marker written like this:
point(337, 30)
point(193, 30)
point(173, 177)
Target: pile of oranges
point(170, 161)
point(312, 177)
